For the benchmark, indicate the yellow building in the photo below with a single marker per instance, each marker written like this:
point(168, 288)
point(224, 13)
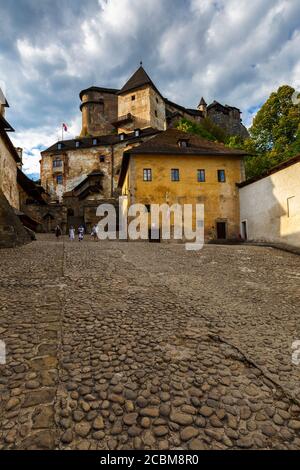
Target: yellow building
point(178, 167)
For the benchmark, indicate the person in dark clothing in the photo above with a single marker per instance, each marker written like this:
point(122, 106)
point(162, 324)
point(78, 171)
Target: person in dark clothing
point(58, 231)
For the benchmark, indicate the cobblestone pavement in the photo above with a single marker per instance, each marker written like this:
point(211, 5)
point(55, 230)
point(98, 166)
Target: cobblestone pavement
point(116, 345)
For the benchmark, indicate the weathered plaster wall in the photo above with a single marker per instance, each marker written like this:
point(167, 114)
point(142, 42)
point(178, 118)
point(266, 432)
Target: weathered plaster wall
point(220, 200)
point(8, 175)
point(271, 207)
point(77, 164)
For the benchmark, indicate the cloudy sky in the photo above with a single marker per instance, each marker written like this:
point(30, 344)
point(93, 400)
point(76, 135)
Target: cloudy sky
point(234, 51)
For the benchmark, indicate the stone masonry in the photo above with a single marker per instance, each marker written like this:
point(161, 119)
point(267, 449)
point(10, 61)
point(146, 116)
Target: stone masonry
point(111, 346)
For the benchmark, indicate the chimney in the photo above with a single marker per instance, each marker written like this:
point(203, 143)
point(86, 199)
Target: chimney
point(20, 153)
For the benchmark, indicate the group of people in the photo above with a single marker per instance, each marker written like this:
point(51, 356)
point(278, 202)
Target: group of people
point(80, 230)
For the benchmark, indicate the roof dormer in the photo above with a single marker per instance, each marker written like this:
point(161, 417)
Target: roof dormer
point(183, 143)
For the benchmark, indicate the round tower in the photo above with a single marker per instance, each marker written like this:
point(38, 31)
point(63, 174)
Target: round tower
point(99, 108)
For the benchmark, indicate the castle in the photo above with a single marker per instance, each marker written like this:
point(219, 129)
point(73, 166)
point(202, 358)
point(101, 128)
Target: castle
point(80, 172)
point(139, 104)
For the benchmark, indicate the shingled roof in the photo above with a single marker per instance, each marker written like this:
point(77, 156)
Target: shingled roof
point(112, 91)
point(101, 141)
point(139, 79)
point(167, 143)
point(4, 128)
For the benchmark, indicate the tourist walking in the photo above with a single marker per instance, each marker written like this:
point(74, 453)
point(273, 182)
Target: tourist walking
point(94, 233)
point(72, 233)
point(58, 231)
point(80, 232)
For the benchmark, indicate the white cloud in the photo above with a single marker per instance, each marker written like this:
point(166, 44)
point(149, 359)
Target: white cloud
point(33, 141)
point(234, 51)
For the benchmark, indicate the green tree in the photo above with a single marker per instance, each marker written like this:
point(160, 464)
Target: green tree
point(276, 124)
point(207, 129)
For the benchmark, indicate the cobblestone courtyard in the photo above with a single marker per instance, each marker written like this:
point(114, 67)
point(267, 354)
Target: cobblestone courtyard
point(116, 345)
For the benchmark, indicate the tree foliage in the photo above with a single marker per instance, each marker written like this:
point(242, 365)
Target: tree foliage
point(207, 129)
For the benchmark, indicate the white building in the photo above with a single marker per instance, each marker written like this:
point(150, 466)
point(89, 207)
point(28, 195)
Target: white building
point(270, 205)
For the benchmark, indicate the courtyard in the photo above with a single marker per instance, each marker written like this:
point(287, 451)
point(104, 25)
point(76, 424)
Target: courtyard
point(117, 345)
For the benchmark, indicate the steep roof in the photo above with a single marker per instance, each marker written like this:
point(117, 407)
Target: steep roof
point(4, 128)
point(139, 79)
point(112, 91)
point(3, 100)
point(5, 125)
point(30, 187)
point(102, 141)
point(192, 112)
point(166, 143)
point(221, 107)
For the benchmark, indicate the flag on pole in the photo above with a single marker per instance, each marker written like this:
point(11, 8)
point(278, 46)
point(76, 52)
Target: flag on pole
point(65, 127)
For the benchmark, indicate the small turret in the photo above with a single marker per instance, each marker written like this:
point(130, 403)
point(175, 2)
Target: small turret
point(202, 106)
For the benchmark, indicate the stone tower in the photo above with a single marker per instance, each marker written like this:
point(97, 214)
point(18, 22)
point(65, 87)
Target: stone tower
point(99, 108)
point(140, 104)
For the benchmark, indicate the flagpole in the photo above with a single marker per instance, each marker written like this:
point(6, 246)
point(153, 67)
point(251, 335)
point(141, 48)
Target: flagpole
point(62, 132)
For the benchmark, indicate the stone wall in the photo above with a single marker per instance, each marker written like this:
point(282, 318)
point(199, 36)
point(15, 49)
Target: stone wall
point(8, 175)
point(12, 231)
point(147, 107)
point(99, 109)
point(77, 164)
point(230, 123)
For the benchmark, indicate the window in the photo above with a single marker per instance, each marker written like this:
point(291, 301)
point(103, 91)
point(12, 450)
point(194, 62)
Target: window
point(147, 174)
point(137, 132)
point(155, 112)
point(292, 206)
point(59, 146)
point(95, 141)
point(122, 136)
point(183, 143)
point(148, 207)
point(77, 144)
point(59, 179)
point(201, 176)
point(132, 97)
point(102, 159)
point(221, 176)
point(57, 163)
point(174, 174)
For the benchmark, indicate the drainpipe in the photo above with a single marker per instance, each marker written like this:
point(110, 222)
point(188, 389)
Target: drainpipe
point(112, 170)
